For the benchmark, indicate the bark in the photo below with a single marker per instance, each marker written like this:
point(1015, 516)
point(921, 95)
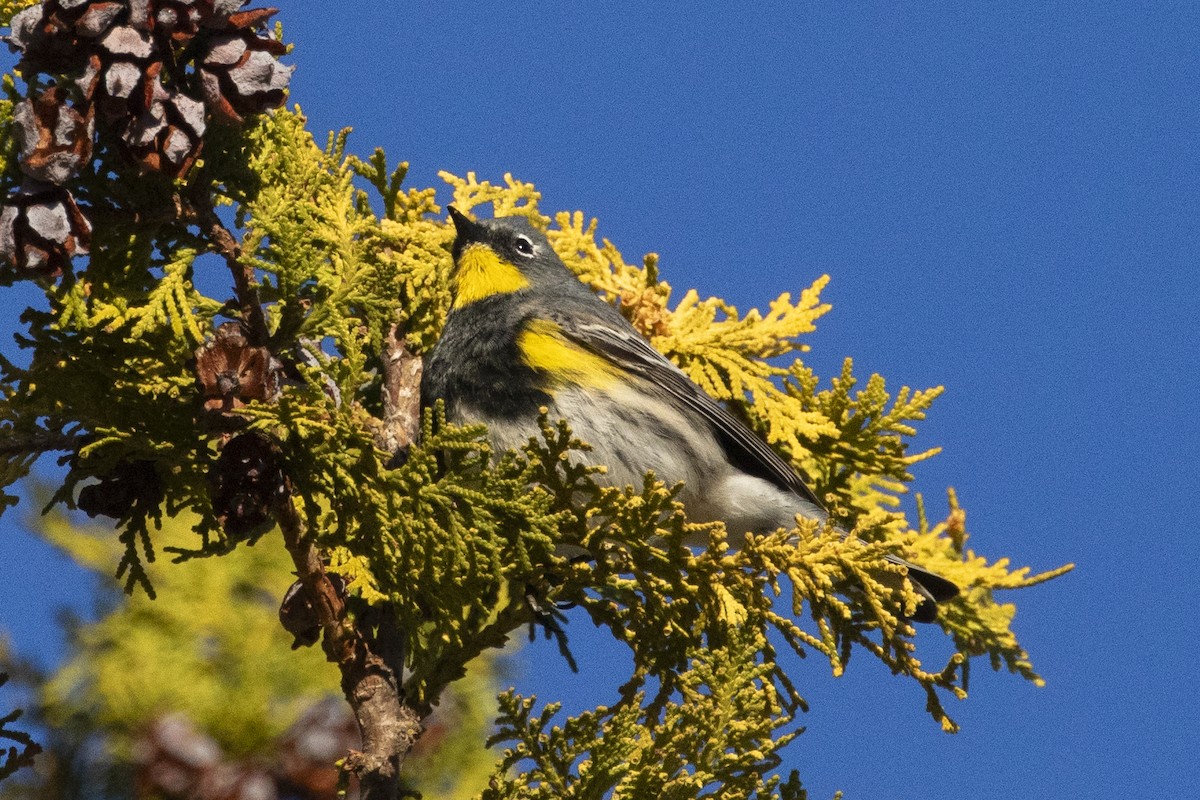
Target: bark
point(401, 395)
point(388, 726)
point(370, 681)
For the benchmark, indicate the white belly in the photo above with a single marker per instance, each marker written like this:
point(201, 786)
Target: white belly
point(631, 433)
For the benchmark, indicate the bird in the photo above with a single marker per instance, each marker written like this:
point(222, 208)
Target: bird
point(524, 335)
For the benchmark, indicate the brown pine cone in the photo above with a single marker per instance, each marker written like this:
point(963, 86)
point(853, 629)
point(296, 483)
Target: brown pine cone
point(231, 373)
point(245, 484)
point(41, 230)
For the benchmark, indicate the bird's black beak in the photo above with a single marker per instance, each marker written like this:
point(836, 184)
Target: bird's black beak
point(468, 230)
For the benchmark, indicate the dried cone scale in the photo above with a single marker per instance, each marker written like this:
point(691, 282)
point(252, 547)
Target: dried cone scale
point(153, 74)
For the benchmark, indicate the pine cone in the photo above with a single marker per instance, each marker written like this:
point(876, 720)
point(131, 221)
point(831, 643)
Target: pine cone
point(161, 130)
point(115, 53)
point(310, 748)
point(56, 36)
point(41, 229)
point(236, 781)
point(172, 756)
point(245, 483)
point(299, 617)
point(176, 21)
point(54, 139)
point(132, 484)
point(241, 73)
point(231, 373)
point(167, 136)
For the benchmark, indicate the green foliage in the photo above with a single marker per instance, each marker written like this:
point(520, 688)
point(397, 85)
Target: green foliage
point(211, 648)
point(9, 8)
point(22, 750)
point(465, 544)
point(718, 742)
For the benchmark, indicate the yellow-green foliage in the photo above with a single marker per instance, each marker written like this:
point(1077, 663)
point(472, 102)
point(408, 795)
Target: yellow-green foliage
point(211, 647)
point(9, 8)
point(6, 137)
point(19, 749)
point(622, 751)
point(461, 541)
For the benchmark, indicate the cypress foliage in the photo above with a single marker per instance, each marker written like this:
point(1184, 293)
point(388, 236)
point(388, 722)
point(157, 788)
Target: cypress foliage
point(167, 394)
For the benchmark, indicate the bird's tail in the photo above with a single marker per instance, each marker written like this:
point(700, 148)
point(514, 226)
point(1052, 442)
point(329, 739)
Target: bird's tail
point(933, 589)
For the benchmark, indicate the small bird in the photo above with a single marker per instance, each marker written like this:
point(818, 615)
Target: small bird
point(524, 333)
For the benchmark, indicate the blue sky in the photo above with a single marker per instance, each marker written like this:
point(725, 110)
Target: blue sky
point(1006, 198)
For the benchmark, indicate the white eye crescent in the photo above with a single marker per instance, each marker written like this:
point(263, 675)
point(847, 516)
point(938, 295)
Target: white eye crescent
point(524, 246)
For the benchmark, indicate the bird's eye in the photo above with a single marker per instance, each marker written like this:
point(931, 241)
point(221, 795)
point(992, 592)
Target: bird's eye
point(523, 246)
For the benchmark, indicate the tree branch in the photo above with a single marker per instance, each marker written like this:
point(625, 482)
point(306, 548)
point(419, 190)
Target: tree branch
point(388, 726)
point(199, 204)
point(401, 395)
point(37, 443)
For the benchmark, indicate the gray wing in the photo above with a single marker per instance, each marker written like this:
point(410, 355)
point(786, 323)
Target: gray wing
point(742, 446)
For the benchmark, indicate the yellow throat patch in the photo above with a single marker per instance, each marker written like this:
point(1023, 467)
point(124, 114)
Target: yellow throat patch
point(482, 273)
point(544, 347)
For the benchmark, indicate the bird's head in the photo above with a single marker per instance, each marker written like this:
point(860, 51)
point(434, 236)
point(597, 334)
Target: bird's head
point(501, 256)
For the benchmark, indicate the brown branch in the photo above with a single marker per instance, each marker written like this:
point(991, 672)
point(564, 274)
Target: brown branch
point(200, 206)
point(154, 216)
point(401, 395)
point(37, 443)
point(388, 726)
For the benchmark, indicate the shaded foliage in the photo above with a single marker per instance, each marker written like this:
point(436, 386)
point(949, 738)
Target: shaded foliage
point(133, 370)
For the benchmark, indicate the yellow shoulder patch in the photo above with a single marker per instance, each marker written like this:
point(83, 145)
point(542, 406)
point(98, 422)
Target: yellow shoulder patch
point(482, 273)
point(546, 349)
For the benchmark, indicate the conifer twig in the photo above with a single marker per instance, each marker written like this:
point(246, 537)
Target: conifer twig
point(23, 754)
point(388, 726)
point(401, 394)
point(200, 205)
